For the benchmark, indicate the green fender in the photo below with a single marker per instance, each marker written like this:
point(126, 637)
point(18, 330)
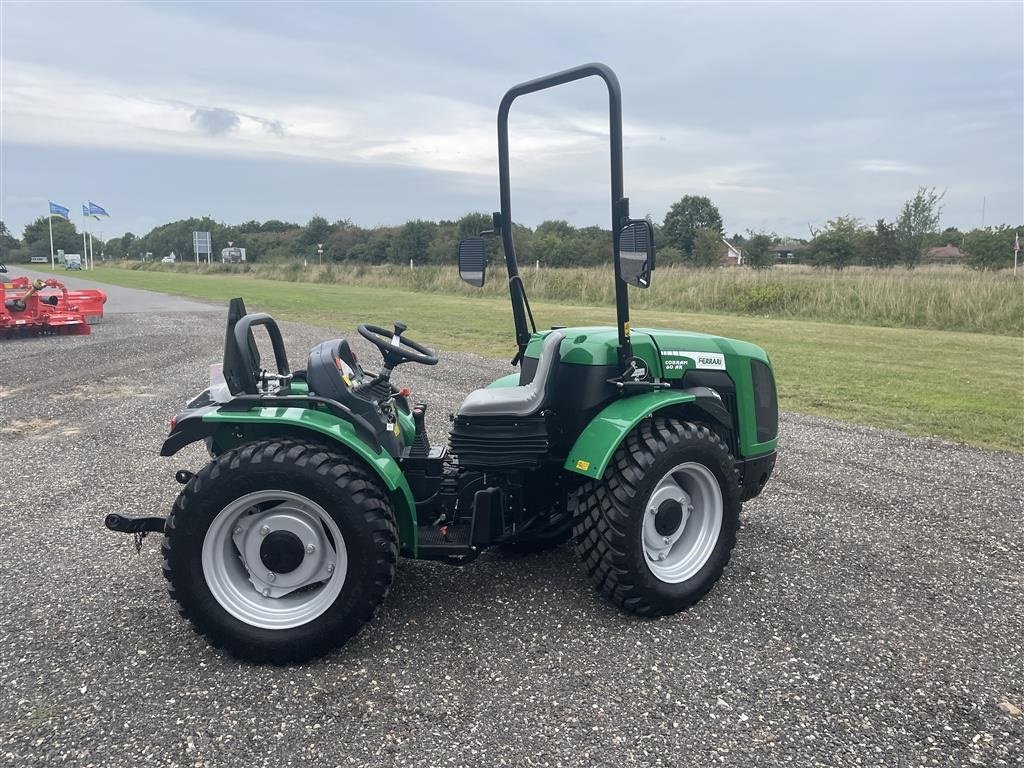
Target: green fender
point(594, 447)
point(237, 423)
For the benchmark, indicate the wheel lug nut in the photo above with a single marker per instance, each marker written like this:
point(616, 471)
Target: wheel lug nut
point(330, 567)
point(266, 592)
point(310, 549)
point(238, 531)
point(264, 530)
point(689, 507)
point(661, 555)
point(667, 540)
point(271, 576)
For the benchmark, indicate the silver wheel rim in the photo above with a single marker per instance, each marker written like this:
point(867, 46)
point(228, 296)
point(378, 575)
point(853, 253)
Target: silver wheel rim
point(675, 555)
point(245, 587)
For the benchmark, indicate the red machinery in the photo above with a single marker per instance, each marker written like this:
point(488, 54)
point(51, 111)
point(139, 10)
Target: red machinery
point(47, 306)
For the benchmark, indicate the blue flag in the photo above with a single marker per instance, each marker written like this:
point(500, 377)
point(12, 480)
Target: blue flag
point(59, 210)
point(97, 210)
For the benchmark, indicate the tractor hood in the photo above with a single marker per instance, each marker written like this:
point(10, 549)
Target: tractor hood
point(669, 354)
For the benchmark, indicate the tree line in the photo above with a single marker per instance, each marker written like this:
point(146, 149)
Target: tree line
point(691, 234)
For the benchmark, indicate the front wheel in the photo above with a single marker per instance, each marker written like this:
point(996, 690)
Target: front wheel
point(280, 551)
point(657, 530)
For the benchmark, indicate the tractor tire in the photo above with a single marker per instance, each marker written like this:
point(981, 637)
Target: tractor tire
point(657, 530)
point(280, 551)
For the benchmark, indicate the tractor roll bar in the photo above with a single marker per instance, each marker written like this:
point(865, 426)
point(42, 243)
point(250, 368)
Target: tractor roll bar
point(620, 205)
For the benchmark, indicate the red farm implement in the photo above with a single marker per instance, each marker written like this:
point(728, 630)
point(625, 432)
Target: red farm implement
point(46, 307)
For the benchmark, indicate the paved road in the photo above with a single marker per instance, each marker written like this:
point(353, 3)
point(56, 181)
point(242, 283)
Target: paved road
point(119, 300)
point(873, 613)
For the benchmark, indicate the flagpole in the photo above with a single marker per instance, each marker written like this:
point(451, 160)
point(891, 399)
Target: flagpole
point(49, 220)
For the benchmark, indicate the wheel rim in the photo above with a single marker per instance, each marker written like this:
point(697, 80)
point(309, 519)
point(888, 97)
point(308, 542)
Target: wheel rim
point(236, 553)
point(682, 522)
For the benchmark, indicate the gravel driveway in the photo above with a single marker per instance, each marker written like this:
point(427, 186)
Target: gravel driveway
point(873, 613)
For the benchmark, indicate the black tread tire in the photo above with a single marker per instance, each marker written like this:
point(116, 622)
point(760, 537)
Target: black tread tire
point(609, 516)
point(346, 490)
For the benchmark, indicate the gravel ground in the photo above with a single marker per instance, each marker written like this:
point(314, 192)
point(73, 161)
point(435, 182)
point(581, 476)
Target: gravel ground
point(873, 612)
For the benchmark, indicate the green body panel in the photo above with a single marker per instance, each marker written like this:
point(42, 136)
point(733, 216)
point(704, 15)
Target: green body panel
point(407, 426)
point(336, 430)
point(512, 380)
point(594, 447)
point(669, 355)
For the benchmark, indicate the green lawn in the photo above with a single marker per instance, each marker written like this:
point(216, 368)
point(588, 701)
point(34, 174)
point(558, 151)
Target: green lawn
point(967, 387)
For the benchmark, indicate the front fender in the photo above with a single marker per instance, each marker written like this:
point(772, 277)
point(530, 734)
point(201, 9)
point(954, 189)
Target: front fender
point(228, 429)
point(593, 449)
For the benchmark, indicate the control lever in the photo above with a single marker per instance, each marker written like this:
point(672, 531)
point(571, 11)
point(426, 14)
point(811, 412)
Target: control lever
point(400, 328)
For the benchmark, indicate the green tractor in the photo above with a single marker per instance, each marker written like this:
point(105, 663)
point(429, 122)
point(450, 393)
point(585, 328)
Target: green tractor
point(638, 444)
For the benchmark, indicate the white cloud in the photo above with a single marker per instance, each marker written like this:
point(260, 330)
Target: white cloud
point(887, 166)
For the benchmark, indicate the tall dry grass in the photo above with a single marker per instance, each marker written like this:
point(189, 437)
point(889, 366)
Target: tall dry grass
point(936, 297)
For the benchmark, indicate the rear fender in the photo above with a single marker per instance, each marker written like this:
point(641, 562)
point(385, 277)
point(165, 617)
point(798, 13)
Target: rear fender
point(226, 429)
point(593, 449)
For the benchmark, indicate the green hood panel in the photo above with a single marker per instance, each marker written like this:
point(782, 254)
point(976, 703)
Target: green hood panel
point(598, 345)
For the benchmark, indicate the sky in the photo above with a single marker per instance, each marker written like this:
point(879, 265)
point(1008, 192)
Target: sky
point(785, 115)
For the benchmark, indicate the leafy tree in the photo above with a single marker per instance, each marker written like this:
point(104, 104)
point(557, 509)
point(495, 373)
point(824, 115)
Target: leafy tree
point(473, 224)
point(885, 248)
point(757, 251)
point(274, 225)
point(919, 219)
point(691, 213)
point(951, 236)
point(990, 248)
point(839, 244)
point(707, 248)
point(65, 237)
point(8, 243)
point(316, 231)
point(127, 243)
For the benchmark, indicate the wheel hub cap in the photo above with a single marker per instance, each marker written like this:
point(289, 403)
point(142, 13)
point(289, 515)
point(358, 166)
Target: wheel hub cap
point(682, 523)
point(274, 559)
point(282, 552)
point(668, 517)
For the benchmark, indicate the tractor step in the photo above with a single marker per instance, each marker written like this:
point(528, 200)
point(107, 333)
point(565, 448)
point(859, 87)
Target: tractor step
point(122, 524)
point(448, 543)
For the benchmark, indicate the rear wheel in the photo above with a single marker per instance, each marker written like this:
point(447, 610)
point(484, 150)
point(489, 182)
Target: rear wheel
point(280, 551)
point(657, 530)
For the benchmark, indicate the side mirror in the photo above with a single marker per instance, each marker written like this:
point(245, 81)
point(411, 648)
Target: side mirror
point(635, 256)
point(473, 261)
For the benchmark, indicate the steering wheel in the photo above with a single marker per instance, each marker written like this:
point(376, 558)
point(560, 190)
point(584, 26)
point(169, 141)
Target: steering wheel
point(395, 348)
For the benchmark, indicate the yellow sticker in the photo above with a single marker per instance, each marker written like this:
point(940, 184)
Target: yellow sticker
point(397, 430)
point(347, 380)
point(583, 465)
point(625, 327)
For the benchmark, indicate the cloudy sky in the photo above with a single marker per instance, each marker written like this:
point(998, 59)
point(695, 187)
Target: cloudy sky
point(785, 115)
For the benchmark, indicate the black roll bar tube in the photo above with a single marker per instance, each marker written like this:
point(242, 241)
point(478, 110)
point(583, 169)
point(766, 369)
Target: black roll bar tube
point(620, 205)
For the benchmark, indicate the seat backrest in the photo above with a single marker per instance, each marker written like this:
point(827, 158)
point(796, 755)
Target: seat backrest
point(547, 366)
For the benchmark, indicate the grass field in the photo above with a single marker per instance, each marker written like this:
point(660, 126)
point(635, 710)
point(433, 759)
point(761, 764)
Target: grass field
point(945, 298)
point(958, 386)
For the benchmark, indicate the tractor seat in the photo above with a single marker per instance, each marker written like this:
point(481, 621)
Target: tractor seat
point(524, 400)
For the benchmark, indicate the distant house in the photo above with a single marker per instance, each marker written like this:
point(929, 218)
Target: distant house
point(945, 254)
point(731, 255)
point(789, 253)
